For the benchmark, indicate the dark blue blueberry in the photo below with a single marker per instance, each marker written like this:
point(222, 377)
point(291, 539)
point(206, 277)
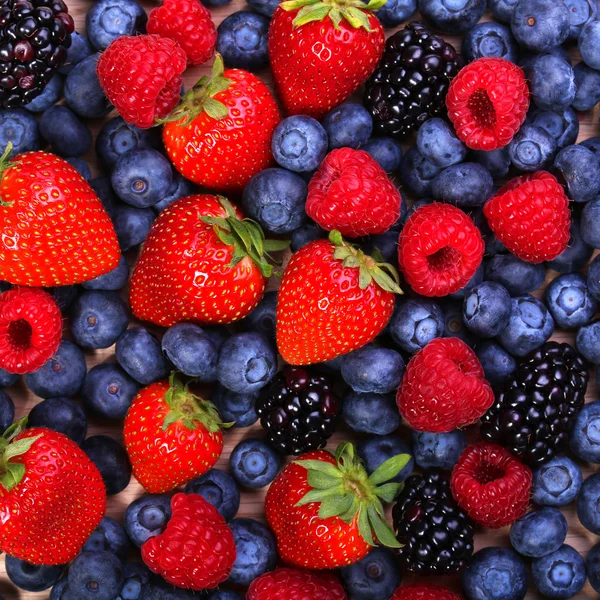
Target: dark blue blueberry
point(417, 173)
point(576, 255)
point(223, 595)
point(386, 243)
point(62, 375)
point(563, 126)
point(32, 578)
point(60, 589)
point(438, 450)
point(49, 97)
point(454, 325)
point(498, 365)
point(113, 280)
point(415, 322)
point(212, 3)
point(438, 143)
point(557, 482)
point(147, 517)
point(179, 188)
point(588, 342)
point(20, 128)
point(371, 413)
point(592, 563)
point(386, 151)
point(452, 16)
point(540, 25)
point(580, 13)
point(132, 225)
point(254, 464)
point(377, 575)
point(373, 369)
point(376, 449)
point(262, 7)
point(108, 391)
point(109, 536)
point(81, 166)
point(570, 302)
point(7, 411)
point(239, 409)
point(218, 488)
point(396, 12)
point(552, 82)
point(83, 92)
point(579, 169)
point(140, 354)
point(135, 582)
point(490, 40)
point(62, 415)
point(299, 143)
point(585, 436)
point(256, 551)
point(588, 44)
point(106, 21)
point(159, 589)
point(497, 162)
point(532, 149)
point(64, 295)
point(539, 532)
point(593, 278)
point(118, 137)
point(560, 574)
point(262, 319)
point(242, 40)
point(592, 144)
point(348, 126)
point(218, 334)
point(465, 185)
point(79, 50)
point(103, 189)
point(191, 351)
point(486, 309)
point(590, 223)
point(503, 9)
point(111, 460)
point(309, 232)
point(66, 133)
point(7, 379)
point(95, 576)
point(517, 276)
point(587, 81)
point(475, 280)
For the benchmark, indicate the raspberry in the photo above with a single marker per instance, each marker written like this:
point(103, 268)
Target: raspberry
point(440, 249)
point(30, 329)
point(491, 485)
point(423, 591)
point(296, 584)
point(142, 77)
point(443, 387)
point(530, 215)
point(351, 193)
point(487, 103)
point(189, 23)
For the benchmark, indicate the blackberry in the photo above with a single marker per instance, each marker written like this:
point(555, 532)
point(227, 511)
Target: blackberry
point(298, 411)
point(410, 83)
point(436, 533)
point(533, 414)
point(34, 37)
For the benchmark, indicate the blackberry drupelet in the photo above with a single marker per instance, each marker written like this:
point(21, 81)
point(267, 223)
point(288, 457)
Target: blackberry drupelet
point(436, 533)
point(34, 37)
point(533, 415)
point(410, 83)
point(298, 410)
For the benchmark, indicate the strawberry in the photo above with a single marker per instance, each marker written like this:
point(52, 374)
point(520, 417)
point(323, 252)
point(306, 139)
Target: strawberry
point(51, 495)
point(202, 262)
point(54, 229)
point(171, 435)
point(321, 53)
point(220, 134)
point(326, 511)
point(333, 299)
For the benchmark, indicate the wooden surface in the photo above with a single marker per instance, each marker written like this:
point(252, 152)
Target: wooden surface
point(252, 504)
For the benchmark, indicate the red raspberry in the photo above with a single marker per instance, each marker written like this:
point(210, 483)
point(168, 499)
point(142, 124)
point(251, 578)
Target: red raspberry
point(351, 193)
point(296, 584)
point(487, 103)
point(424, 591)
point(443, 387)
point(196, 550)
point(530, 215)
point(142, 77)
point(189, 23)
point(30, 329)
point(440, 249)
point(491, 485)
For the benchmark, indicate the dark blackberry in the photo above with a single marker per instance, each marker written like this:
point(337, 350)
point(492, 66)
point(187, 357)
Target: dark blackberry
point(34, 37)
point(436, 533)
point(533, 414)
point(298, 411)
point(410, 83)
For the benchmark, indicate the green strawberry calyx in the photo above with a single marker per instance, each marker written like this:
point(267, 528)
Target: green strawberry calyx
point(372, 268)
point(345, 490)
point(352, 11)
point(5, 164)
point(247, 238)
point(11, 472)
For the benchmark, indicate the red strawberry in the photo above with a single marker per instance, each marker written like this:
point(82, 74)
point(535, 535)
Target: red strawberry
point(201, 262)
point(171, 436)
point(333, 299)
point(296, 584)
point(220, 134)
point(196, 550)
point(326, 511)
point(51, 496)
point(321, 53)
point(54, 229)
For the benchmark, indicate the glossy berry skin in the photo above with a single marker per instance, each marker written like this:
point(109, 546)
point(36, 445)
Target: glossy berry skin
point(350, 125)
point(576, 255)
point(539, 532)
point(295, 584)
point(110, 536)
point(561, 574)
point(59, 414)
point(498, 365)
point(388, 153)
point(45, 193)
point(243, 40)
point(196, 550)
point(438, 450)
point(570, 301)
point(533, 148)
point(450, 18)
point(466, 185)
point(142, 77)
point(191, 351)
point(487, 103)
point(254, 463)
point(438, 143)
point(517, 276)
point(552, 82)
point(105, 22)
point(371, 413)
point(139, 354)
point(83, 93)
point(218, 488)
point(486, 309)
point(373, 369)
point(587, 94)
point(423, 591)
point(31, 578)
point(415, 322)
point(540, 25)
point(562, 125)
point(587, 504)
point(147, 517)
point(95, 575)
point(110, 458)
point(579, 168)
point(557, 482)
point(377, 575)
point(299, 144)
point(490, 40)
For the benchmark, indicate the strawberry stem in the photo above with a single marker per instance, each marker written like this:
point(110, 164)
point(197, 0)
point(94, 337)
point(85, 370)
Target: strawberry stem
point(12, 473)
point(352, 11)
point(5, 164)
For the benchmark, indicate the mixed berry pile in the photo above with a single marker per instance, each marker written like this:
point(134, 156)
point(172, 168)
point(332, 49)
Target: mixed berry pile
point(407, 198)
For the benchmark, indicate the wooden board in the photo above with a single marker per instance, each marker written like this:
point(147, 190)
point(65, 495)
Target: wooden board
point(252, 504)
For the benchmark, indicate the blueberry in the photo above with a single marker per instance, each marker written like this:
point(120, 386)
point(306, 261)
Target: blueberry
point(59, 414)
point(587, 81)
point(454, 325)
point(539, 533)
point(486, 309)
point(95, 576)
point(263, 318)
point(593, 278)
point(562, 125)
point(212, 3)
point(218, 334)
point(417, 173)
point(139, 353)
point(239, 409)
point(118, 137)
point(20, 128)
point(588, 342)
point(7, 379)
point(113, 280)
point(242, 40)
point(132, 225)
point(375, 450)
point(415, 323)
point(590, 223)
point(223, 595)
point(575, 256)
point(79, 50)
point(7, 411)
point(218, 488)
point(377, 575)
point(64, 295)
point(348, 126)
point(495, 574)
point(385, 243)
point(438, 143)
point(579, 168)
point(179, 188)
point(103, 189)
point(581, 12)
point(540, 25)
point(111, 460)
point(371, 413)
point(247, 362)
point(498, 365)
point(516, 275)
point(557, 482)
point(299, 143)
point(560, 574)
point(147, 517)
point(109, 536)
point(108, 391)
point(136, 577)
point(588, 44)
point(309, 232)
point(570, 301)
point(49, 97)
point(254, 464)
point(32, 578)
point(450, 16)
point(585, 435)
point(62, 375)
point(262, 7)
point(83, 92)
point(65, 132)
point(386, 151)
point(593, 144)
point(490, 40)
point(438, 450)
point(81, 167)
point(503, 9)
point(60, 589)
point(256, 551)
point(475, 280)
point(593, 567)
point(532, 149)
point(106, 21)
point(552, 82)
point(497, 162)
point(373, 369)
point(159, 589)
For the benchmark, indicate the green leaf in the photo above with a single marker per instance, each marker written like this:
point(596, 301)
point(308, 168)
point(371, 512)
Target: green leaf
point(276, 245)
point(294, 4)
point(237, 256)
point(20, 447)
point(242, 231)
point(364, 528)
point(227, 238)
point(336, 17)
point(218, 85)
point(389, 469)
point(356, 17)
point(375, 4)
point(170, 418)
point(322, 467)
point(15, 429)
point(215, 109)
point(385, 282)
point(364, 279)
point(320, 481)
point(389, 491)
point(349, 515)
point(335, 237)
point(351, 262)
point(316, 496)
point(314, 13)
point(13, 476)
point(334, 506)
point(257, 237)
point(218, 67)
point(383, 532)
